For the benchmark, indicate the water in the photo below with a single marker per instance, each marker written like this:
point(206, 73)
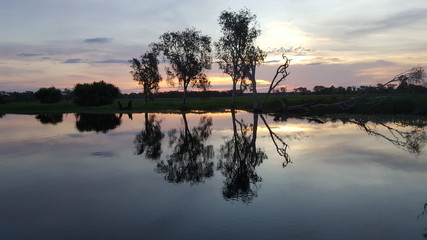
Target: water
point(211, 176)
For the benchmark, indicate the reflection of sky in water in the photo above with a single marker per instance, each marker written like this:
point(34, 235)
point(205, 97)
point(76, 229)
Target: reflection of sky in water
point(56, 182)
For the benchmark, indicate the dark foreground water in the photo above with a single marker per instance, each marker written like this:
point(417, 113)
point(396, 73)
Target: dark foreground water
point(211, 176)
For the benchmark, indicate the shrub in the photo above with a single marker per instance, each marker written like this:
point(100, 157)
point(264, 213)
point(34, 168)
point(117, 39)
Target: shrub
point(48, 95)
point(3, 98)
point(95, 94)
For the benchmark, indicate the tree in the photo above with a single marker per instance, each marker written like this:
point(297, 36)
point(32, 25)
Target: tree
point(48, 95)
point(301, 90)
point(146, 73)
point(239, 57)
point(95, 94)
point(189, 57)
point(281, 71)
point(319, 89)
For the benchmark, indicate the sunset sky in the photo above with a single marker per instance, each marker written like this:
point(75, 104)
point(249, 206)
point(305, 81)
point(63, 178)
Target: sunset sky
point(342, 43)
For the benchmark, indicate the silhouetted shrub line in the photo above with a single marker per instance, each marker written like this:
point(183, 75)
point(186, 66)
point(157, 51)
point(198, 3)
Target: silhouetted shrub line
point(95, 94)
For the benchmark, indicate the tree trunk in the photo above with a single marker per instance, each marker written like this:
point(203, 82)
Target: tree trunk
point(254, 93)
point(233, 95)
point(184, 94)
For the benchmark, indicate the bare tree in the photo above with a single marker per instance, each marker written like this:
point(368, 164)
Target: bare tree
point(281, 74)
point(188, 53)
point(415, 75)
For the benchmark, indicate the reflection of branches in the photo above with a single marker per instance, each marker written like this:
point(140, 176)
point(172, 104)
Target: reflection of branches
point(191, 159)
point(412, 140)
point(423, 213)
point(149, 140)
point(49, 118)
point(282, 150)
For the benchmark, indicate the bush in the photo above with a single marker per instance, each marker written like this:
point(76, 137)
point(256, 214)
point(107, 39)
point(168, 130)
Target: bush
point(95, 94)
point(48, 95)
point(3, 98)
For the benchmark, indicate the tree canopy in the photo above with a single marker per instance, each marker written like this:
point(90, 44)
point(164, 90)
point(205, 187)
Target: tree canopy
point(48, 95)
point(189, 57)
point(146, 73)
point(236, 48)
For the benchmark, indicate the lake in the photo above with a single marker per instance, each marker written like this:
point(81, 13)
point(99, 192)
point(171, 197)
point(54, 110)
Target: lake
point(232, 175)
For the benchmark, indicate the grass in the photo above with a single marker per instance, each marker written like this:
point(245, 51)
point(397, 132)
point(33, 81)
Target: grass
point(399, 104)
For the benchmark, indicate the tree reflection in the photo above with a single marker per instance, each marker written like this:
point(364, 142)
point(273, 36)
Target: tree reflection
point(423, 213)
point(191, 158)
point(50, 118)
point(407, 134)
point(411, 136)
point(239, 156)
point(281, 146)
point(149, 140)
point(97, 122)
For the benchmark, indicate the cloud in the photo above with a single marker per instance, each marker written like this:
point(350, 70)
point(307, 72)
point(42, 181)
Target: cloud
point(73, 60)
point(112, 61)
point(397, 20)
point(272, 61)
point(29, 54)
point(97, 40)
point(78, 60)
point(295, 51)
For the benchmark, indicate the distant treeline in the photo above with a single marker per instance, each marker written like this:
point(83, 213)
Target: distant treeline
point(379, 89)
point(68, 95)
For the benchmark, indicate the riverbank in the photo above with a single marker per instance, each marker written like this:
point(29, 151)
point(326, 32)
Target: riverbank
point(373, 104)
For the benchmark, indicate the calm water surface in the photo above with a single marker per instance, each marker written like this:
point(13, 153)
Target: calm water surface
point(211, 176)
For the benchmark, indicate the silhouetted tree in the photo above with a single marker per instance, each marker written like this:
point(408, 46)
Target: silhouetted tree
point(95, 94)
point(50, 118)
point(3, 97)
point(48, 95)
point(96, 122)
point(301, 90)
point(67, 94)
point(146, 73)
point(191, 159)
point(281, 74)
point(189, 57)
point(236, 49)
point(149, 140)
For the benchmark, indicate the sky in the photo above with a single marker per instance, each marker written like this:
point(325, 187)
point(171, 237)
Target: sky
point(61, 43)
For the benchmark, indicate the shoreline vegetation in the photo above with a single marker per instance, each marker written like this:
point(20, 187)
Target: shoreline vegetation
point(371, 104)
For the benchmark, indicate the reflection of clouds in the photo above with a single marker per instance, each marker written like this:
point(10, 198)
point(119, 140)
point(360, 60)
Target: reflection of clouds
point(362, 156)
point(105, 154)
